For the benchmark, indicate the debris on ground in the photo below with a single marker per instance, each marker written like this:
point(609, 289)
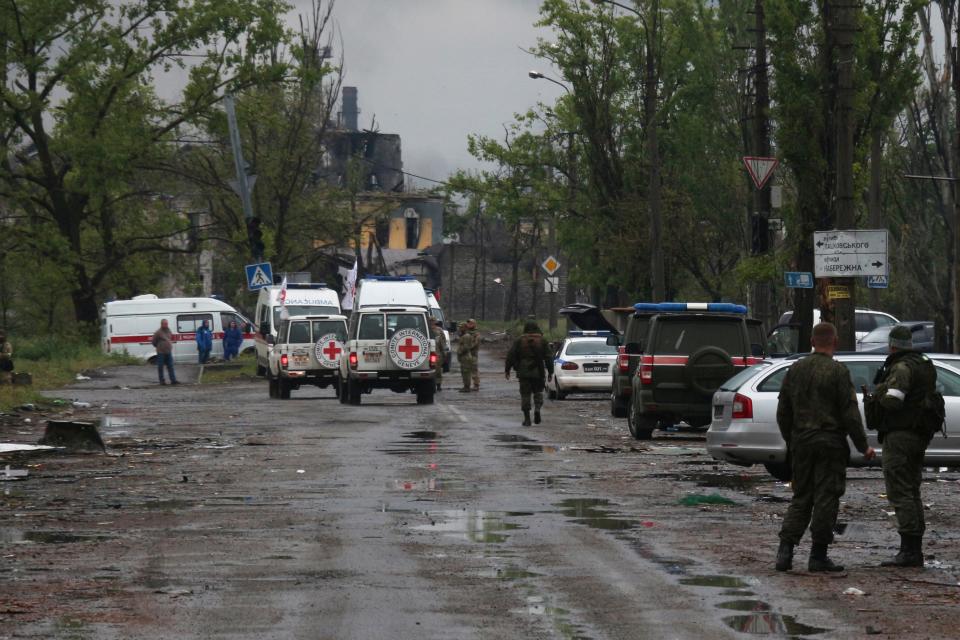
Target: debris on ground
point(73, 436)
point(697, 499)
point(853, 591)
point(13, 474)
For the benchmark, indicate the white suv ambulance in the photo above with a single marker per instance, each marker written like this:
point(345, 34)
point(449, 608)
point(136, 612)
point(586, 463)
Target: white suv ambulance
point(388, 341)
point(307, 352)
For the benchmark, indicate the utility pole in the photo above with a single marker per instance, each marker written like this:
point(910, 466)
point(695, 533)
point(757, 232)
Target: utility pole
point(650, 100)
point(244, 182)
point(844, 27)
point(955, 334)
point(761, 148)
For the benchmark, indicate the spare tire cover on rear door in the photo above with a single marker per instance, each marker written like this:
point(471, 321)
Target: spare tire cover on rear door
point(707, 369)
point(408, 348)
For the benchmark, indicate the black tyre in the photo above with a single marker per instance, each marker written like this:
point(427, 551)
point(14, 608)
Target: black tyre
point(560, 395)
point(641, 426)
point(353, 392)
point(425, 392)
point(342, 391)
point(336, 388)
point(779, 470)
point(273, 387)
point(283, 389)
point(261, 370)
point(552, 393)
point(617, 408)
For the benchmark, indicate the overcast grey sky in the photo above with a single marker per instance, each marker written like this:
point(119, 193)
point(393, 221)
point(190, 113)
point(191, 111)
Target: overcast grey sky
point(434, 71)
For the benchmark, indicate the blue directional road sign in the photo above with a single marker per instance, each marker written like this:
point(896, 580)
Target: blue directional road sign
point(259, 275)
point(799, 279)
point(877, 282)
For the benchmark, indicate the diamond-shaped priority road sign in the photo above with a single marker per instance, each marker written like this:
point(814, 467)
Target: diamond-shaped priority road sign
point(760, 169)
point(550, 265)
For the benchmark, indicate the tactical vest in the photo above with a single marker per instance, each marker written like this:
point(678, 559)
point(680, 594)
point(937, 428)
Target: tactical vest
point(923, 382)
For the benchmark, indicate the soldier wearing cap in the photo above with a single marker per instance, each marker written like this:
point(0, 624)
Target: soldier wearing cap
point(894, 409)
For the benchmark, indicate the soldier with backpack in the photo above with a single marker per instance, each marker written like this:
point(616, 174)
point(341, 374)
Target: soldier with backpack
point(906, 410)
point(530, 358)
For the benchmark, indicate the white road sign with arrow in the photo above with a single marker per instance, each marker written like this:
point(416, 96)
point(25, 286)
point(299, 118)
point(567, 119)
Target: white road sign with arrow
point(846, 254)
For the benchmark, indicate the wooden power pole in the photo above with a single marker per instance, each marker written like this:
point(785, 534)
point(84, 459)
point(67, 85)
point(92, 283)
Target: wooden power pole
point(760, 224)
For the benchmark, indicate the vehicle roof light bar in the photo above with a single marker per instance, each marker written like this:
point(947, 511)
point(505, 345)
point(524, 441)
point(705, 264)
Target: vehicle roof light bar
point(680, 307)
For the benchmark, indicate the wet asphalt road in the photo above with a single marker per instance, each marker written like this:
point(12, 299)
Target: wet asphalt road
point(219, 513)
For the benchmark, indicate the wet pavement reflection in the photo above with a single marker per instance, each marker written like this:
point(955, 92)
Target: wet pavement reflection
point(486, 527)
point(591, 512)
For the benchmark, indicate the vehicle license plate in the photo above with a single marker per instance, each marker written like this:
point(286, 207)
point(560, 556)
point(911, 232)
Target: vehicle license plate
point(371, 356)
point(301, 361)
point(594, 368)
point(718, 411)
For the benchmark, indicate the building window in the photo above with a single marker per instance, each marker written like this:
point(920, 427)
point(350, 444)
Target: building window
point(412, 219)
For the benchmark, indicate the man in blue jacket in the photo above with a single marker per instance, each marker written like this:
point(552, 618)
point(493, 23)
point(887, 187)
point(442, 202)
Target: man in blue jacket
point(232, 339)
point(204, 342)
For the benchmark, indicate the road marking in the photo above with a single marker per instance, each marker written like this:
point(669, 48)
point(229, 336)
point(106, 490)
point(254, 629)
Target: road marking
point(459, 414)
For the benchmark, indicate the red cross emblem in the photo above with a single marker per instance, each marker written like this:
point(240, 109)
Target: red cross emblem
point(408, 349)
point(332, 351)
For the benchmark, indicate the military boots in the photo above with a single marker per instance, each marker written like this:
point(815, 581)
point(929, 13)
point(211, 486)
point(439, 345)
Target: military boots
point(536, 416)
point(911, 553)
point(819, 560)
point(784, 556)
point(526, 417)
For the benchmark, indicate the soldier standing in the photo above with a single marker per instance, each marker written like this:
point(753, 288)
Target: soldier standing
point(817, 411)
point(440, 339)
point(464, 354)
point(896, 409)
point(475, 352)
point(530, 358)
point(6, 359)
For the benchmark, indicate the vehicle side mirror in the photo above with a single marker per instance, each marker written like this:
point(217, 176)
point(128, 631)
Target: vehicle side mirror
point(613, 341)
point(634, 347)
point(271, 340)
point(247, 328)
point(756, 350)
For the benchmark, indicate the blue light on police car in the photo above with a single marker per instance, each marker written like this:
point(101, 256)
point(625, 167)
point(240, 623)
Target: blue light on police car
point(588, 334)
point(680, 307)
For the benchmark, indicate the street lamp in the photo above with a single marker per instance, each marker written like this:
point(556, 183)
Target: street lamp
point(503, 298)
point(536, 75)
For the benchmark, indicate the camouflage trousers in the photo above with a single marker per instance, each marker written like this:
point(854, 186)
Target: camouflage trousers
point(531, 387)
point(903, 472)
point(819, 480)
point(469, 371)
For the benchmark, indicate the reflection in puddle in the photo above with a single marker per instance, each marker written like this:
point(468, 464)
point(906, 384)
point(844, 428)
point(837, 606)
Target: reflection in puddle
point(524, 444)
point(509, 574)
point(422, 435)
point(557, 616)
point(735, 481)
point(511, 437)
point(723, 582)
point(48, 537)
point(588, 511)
point(487, 527)
point(430, 484)
point(745, 605)
point(737, 592)
point(771, 624)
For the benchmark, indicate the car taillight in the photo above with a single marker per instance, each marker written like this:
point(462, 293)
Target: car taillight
point(353, 360)
point(742, 407)
point(284, 361)
point(623, 360)
point(646, 373)
point(569, 366)
point(433, 359)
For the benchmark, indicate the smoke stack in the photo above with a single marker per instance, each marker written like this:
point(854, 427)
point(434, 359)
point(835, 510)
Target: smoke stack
point(349, 109)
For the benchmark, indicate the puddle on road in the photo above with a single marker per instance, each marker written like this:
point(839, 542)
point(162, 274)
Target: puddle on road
point(509, 574)
point(771, 624)
point(523, 444)
point(560, 480)
point(734, 481)
point(431, 485)
point(485, 527)
point(591, 512)
point(48, 537)
point(721, 582)
point(745, 605)
point(557, 616)
point(512, 437)
point(422, 435)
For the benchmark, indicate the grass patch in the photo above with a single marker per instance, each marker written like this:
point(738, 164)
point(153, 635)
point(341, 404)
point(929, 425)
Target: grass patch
point(212, 374)
point(53, 362)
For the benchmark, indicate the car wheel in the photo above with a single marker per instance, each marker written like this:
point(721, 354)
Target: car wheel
point(336, 387)
point(283, 389)
point(552, 393)
point(342, 391)
point(353, 392)
point(261, 370)
point(641, 426)
point(560, 395)
point(425, 392)
point(779, 470)
point(273, 387)
point(617, 409)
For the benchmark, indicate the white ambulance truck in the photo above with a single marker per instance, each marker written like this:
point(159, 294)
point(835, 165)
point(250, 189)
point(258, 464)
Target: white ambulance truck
point(302, 300)
point(128, 325)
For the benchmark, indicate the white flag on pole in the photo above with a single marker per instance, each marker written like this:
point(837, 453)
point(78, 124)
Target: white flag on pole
point(284, 314)
point(350, 287)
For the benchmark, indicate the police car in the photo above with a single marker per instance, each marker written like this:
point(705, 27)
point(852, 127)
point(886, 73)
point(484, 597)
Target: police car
point(583, 364)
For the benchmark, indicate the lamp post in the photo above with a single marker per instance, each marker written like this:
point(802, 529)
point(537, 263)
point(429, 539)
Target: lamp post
point(503, 298)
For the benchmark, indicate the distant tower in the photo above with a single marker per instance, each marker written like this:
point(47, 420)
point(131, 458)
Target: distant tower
point(349, 108)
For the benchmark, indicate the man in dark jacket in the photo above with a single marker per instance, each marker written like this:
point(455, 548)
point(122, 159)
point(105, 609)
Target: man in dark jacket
point(905, 379)
point(530, 358)
point(163, 342)
point(232, 340)
point(204, 342)
point(817, 411)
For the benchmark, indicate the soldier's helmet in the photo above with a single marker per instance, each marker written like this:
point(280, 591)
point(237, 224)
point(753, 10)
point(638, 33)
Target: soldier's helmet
point(901, 337)
point(531, 327)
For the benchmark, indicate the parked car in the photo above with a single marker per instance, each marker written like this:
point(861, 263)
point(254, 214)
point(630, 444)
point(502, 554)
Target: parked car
point(744, 427)
point(877, 340)
point(690, 349)
point(784, 337)
point(582, 364)
point(307, 351)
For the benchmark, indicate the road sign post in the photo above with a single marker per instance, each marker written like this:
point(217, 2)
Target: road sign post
point(258, 275)
point(760, 169)
point(799, 279)
point(845, 254)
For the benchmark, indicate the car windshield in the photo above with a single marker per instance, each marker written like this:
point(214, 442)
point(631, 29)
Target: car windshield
point(737, 381)
point(880, 334)
point(436, 314)
point(590, 348)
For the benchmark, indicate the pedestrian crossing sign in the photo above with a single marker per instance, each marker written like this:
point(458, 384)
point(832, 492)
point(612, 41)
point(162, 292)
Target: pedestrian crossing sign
point(259, 276)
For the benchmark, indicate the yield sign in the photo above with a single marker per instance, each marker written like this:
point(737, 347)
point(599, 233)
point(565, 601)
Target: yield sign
point(761, 169)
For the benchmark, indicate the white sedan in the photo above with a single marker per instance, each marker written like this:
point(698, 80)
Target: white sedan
point(584, 364)
point(744, 428)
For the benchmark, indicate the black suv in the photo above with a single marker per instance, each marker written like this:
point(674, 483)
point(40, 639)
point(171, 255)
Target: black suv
point(689, 350)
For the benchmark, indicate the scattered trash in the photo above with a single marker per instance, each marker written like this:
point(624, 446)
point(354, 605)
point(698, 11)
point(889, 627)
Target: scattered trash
point(28, 406)
point(890, 513)
point(57, 402)
point(80, 377)
point(13, 474)
point(872, 631)
point(853, 591)
point(695, 499)
point(11, 447)
point(80, 405)
point(27, 421)
point(301, 470)
point(73, 436)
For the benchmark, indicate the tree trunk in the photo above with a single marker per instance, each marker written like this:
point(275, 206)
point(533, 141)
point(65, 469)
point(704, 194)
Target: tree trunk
point(650, 99)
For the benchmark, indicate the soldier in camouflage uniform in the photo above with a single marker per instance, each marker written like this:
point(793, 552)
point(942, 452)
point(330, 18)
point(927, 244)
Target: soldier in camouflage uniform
point(475, 352)
point(817, 411)
point(465, 355)
point(436, 332)
point(903, 382)
point(6, 359)
point(530, 358)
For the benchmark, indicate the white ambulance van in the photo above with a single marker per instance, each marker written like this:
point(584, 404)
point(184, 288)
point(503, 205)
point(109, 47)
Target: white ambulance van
point(128, 325)
point(437, 314)
point(303, 299)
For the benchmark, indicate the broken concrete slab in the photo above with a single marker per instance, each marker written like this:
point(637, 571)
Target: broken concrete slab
point(74, 436)
point(16, 447)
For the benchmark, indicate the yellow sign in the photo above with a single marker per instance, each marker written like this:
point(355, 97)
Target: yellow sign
point(838, 292)
point(550, 265)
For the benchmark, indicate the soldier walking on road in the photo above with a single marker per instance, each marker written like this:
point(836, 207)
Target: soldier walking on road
point(475, 352)
point(467, 348)
point(436, 332)
point(530, 358)
point(817, 411)
point(906, 410)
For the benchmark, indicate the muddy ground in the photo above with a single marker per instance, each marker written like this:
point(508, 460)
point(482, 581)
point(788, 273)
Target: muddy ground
point(216, 512)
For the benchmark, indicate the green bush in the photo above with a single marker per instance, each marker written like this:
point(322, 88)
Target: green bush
point(53, 348)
